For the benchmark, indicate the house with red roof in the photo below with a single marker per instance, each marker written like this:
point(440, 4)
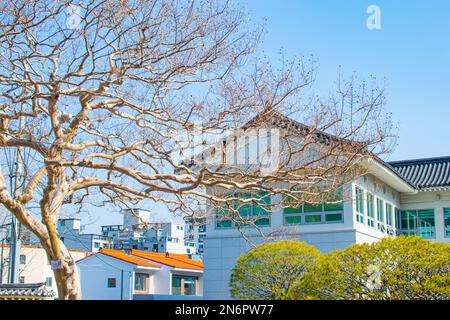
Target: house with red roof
point(139, 275)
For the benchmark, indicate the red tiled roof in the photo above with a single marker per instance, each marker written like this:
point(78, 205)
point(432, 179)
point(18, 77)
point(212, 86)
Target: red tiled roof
point(169, 259)
point(121, 255)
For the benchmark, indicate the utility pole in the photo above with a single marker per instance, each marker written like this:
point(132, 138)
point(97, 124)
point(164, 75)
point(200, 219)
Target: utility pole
point(1, 261)
point(15, 179)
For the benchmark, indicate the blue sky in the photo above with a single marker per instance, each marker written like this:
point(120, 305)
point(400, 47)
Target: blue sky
point(411, 51)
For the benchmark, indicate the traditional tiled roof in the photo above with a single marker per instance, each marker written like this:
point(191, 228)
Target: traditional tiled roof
point(35, 290)
point(169, 259)
point(425, 174)
point(121, 255)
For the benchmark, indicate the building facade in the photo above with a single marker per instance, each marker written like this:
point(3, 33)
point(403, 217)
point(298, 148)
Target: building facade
point(34, 266)
point(140, 275)
point(71, 234)
point(403, 197)
point(147, 231)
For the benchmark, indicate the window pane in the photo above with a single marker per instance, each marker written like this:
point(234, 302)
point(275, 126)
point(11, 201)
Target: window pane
point(48, 282)
point(189, 286)
point(292, 219)
point(313, 218)
point(308, 207)
point(380, 210)
point(176, 285)
point(223, 218)
point(447, 221)
point(333, 217)
point(370, 208)
point(359, 200)
point(292, 206)
point(140, 282)
point(333, 202)
point(111, 282)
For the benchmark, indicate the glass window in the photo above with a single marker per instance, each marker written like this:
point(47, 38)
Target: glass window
point(223, 218)
point(189, 286)
point(184, 285)
point(111, 282)
point(176, 285)
point(359, 204)
point(380, 215)
point(389, 214)
point(21, 279)
point(334, 202)
point(295, 213)
point(447, 221)
point(333, 217)
point(140, 282)
point(370, 210)
point(418, 222)
point(288, 219)
point(316, 218)
point(96, 245)
point(48, 281)
point(22, 259)
point(257, 211)
point(310, 207)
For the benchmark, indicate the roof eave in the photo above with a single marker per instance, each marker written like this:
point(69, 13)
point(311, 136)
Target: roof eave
point(380, 169)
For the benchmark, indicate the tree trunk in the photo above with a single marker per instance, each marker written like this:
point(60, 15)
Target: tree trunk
point(67, 278)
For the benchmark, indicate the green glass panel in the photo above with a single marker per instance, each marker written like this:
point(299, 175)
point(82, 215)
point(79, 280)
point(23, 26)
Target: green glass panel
point(447, 221)
point(292, 219)
point(313, 218)
point(308, 207)
point(263, 208)
point(291, 206)
point(333, 217)
point(336, 201)
point(223, 218)
point(380, 210)
point(370, 206)
point(339, 206)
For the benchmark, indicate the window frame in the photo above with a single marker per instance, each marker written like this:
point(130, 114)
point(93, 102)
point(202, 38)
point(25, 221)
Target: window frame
point(445, 211)
point(111, 283)
point(416, 230)
point(302, 214)
point(145, 277)
point(371, 210)
point(47, 282)
point(381, 218)
point(242, 206)
point(360, 204)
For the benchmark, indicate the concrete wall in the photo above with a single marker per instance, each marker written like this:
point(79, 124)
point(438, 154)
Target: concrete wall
point(94, 273)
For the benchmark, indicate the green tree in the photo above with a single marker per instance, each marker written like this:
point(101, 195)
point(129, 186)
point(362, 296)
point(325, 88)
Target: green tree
point(392, 269)
point(269, 270)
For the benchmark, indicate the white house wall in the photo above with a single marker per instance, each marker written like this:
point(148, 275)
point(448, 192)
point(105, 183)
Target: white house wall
point(94, 274)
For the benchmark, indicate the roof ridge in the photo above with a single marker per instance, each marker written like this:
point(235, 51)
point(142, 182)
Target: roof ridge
point(420, 161)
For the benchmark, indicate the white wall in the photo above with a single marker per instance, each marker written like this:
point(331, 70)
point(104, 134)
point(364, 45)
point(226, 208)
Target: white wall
point(94, 273)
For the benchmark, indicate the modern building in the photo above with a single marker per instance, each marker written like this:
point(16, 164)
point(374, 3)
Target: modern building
point(140, 275)
point(403, 197)
point(195, 233)
point(71, 234)
point(34, 267)
point(147, 231)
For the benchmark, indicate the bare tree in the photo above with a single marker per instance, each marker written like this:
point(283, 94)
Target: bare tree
point(105, 92)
